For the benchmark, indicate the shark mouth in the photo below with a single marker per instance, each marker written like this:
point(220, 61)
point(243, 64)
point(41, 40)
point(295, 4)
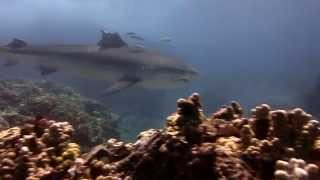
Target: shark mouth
point(185, 80)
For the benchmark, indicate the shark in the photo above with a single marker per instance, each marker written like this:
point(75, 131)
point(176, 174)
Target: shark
point(111, 60)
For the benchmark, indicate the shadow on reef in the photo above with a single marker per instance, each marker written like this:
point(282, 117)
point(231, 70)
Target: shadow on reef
point(270, 144)
point(23, 100)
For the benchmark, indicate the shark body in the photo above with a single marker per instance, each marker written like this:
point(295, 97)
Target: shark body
point(111, 60)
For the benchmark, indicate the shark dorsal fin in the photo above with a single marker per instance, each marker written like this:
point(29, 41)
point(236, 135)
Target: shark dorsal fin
point(17, 43)
point(111, 40)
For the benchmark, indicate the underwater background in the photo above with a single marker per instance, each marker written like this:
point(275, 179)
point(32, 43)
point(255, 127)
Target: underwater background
point(250, 51)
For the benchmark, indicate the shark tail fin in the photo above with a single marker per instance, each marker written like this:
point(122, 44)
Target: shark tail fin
point(16, 43)
point(111, 40)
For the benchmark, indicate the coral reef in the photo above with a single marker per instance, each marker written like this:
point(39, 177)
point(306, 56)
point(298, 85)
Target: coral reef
point(22, 100)
point(37, 150)
point(270, 144)
point(296, 169)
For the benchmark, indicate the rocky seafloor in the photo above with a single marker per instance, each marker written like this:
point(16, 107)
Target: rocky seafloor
point(269, 144)
point(22, 100)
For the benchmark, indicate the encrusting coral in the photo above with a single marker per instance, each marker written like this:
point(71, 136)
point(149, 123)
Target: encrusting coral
point(268, 145)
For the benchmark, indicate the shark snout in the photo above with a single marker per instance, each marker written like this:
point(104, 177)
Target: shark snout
point(192, 73)
point(189, 75)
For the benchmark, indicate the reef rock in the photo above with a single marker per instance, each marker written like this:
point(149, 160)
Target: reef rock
point(176, 152)
point(21, 101)
point(270, 144)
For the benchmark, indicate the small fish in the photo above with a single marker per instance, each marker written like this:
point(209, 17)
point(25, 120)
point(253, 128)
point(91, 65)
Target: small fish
point(111, 61)
point(140, 46)
point(165, 39)
point(131, 33)
point(136, 37)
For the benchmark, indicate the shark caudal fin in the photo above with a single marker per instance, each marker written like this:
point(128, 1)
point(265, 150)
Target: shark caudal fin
point(111, 40)
point(16, 43)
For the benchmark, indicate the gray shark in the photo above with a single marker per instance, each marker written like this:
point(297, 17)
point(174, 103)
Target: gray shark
point(111, 60)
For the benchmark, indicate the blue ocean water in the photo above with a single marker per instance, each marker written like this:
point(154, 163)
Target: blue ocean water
point(251, 51)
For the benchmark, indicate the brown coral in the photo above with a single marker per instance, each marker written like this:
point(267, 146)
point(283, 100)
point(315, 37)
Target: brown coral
point(228, 113)
point(296, 169)
point(34, 147)
point(185, 122)
point(260, 121)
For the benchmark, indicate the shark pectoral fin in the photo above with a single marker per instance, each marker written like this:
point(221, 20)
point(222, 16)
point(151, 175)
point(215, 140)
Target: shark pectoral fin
point(47, 69)
point(118, 86)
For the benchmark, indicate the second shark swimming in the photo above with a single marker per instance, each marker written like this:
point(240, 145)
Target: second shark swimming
point(110, 60)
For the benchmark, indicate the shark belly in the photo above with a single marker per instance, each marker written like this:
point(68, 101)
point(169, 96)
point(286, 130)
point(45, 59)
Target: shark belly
point(67, 66)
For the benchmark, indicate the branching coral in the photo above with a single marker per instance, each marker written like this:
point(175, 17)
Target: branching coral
point(229, 113)
point(296, 169)
point(260, 121)
point(32, 151)
point(185, 122)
